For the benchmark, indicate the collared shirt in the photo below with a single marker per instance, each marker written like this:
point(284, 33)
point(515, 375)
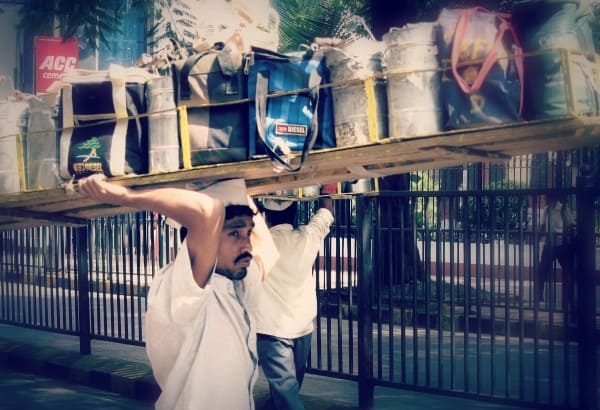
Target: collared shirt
point(202, 342)
point(557, 220)
point(288, 305)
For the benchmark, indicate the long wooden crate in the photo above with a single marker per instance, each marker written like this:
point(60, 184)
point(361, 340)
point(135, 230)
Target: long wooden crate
point(389, 156)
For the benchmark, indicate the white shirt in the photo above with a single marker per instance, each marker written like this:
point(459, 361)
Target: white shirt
point(201, 342)
point(556, 224)
point(288, 305)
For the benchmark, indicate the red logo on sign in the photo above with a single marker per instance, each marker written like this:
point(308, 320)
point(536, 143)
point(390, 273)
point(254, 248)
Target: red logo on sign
point(291, 129)
point(53, 56)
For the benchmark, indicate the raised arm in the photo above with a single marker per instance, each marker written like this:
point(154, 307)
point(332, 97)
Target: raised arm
point(201, 214)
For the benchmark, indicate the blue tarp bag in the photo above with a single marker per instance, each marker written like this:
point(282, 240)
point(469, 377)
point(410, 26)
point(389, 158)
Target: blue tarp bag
point(289, 112)
point(482, 77)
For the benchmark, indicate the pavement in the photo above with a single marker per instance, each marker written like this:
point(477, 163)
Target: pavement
point(44, 370)
point(23, 391)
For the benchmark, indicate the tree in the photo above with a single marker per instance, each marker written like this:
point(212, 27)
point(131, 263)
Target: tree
point(303, 20)
point(173, 20)
point(92, 143)
point(90, 21)
point(385, 16)
point(595, 25)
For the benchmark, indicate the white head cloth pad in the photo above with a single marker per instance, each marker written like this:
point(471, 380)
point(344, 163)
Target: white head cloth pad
point(230, 191)
point(276, 204)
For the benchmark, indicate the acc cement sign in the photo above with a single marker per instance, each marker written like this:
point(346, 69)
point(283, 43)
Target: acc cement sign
point(53, 56)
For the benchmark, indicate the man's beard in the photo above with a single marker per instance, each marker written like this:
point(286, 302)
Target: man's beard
point(235, 275)
point(238, 275)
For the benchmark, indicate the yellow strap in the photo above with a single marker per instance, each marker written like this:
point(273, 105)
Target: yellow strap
point(371, 109)
point(568, 77)
point(21, 162)
point(184, 133)
point(597, 59)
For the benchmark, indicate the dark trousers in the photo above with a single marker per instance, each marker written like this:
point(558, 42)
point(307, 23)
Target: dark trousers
point(284, 363)
point(565, 255)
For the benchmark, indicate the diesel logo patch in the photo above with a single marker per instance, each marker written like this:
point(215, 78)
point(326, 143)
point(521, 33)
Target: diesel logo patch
point(291, 129)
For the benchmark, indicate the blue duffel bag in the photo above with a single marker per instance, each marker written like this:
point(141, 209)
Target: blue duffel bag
point(289, 112)
point(482, 77)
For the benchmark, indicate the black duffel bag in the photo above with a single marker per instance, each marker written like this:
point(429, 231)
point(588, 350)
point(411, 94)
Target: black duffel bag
point(212, 87)
point(103, 124)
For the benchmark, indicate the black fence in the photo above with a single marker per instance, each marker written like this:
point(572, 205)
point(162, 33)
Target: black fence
point(428, 288)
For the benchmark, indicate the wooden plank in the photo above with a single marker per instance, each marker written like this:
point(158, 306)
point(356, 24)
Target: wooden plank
point(388, 156)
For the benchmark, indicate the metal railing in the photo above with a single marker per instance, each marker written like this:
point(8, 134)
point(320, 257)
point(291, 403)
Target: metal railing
point(453, 308)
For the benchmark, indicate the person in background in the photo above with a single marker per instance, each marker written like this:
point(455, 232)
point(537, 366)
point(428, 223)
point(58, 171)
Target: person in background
point(288, 307)
point(558, 223)
point(200, 331)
